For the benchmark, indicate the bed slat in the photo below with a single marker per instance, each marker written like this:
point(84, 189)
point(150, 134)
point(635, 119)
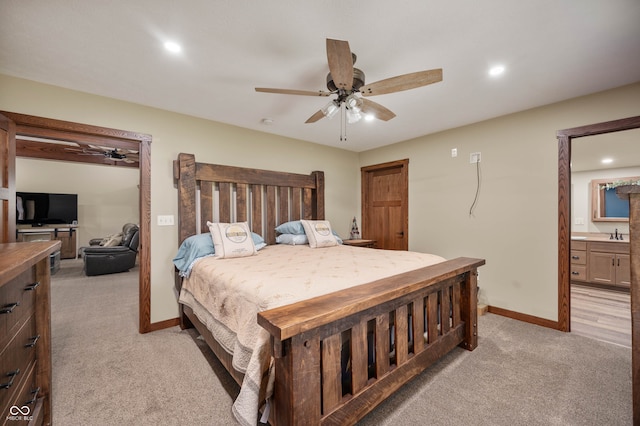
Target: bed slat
point(297, 203)
point(418, 324)
point(432, 317)
point(402, 335)
point(256, 209)
point(270, 232)
point(331, 372)
point(382, 345)
point(241, 202)
point(283, 204)
point(445, 310)
point(206, 205)
point(359, 356)
point(224, 202)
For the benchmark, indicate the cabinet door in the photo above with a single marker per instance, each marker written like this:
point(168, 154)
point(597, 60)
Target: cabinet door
point(623, 270)
point(602, 268)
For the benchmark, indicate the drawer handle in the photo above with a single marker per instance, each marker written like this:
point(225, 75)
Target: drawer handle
point(575, 257)
point(33, 400)
point(13, 375)
point(575, 273)
point(9, 308)
point(31, 344)
point(32, 286)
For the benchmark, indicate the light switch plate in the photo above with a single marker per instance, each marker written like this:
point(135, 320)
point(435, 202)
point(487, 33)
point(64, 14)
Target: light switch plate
point(165, 220)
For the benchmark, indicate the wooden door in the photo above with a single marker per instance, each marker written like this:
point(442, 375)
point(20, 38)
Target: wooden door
point(385, 204)
point(7, 180)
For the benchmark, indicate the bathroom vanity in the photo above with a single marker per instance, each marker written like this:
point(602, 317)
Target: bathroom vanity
point(600, 261)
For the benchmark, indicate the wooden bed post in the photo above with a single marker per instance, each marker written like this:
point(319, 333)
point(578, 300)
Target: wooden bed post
point(297, 386)
point(184, 172)
point(469, 310)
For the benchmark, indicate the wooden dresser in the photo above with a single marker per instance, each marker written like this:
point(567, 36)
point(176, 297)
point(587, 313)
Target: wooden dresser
point(25, 332)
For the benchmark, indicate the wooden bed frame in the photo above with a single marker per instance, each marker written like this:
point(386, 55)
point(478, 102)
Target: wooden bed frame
point(378, 318)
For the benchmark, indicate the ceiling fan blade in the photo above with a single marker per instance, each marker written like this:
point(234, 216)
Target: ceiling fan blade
point(315, 117)
point(340, 63)
point(402, 82)
point(380, 112)
point(293, 92)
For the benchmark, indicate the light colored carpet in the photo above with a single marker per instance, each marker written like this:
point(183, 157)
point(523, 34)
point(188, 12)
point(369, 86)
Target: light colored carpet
point(106, 373)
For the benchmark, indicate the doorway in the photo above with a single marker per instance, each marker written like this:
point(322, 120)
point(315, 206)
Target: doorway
point(565, 138)
point(84, 135)
point(385, 204)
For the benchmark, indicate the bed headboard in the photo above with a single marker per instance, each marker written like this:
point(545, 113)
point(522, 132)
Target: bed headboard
point(263, 198)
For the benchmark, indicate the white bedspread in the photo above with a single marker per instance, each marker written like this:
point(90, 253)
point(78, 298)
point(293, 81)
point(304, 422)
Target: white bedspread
point(227, 294)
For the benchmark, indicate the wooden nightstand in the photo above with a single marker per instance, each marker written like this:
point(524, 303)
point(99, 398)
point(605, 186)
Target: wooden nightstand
point(360, 243)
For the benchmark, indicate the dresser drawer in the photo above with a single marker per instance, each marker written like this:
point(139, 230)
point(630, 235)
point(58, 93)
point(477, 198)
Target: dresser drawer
point(578, 257)
point(15, 358)
point(23, 407)
point(578, 273)
point(17, 300)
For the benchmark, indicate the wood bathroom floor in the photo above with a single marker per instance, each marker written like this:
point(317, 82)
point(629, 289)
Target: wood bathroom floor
point(601, 314)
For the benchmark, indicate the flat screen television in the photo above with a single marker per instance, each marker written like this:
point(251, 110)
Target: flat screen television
point(40, 208)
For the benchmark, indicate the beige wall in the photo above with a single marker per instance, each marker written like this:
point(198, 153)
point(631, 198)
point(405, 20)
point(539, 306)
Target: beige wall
point(210, 141)
point(515, 224)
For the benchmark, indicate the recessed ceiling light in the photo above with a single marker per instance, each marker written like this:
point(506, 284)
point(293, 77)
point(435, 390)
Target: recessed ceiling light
point(496, 71)
point(606, 160)
point(267, 121)
point(172, 46)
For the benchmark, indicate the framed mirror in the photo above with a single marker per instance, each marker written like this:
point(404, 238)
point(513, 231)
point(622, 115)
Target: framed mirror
point(606, 206)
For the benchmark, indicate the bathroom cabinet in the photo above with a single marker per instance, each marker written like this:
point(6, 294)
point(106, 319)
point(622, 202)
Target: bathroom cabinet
point(603, 262)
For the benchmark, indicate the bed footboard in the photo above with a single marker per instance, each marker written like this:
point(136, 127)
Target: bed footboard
point(338, 356)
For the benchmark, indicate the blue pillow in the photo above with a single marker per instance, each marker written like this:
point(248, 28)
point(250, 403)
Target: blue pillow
point(201, 245)
point(294, 227)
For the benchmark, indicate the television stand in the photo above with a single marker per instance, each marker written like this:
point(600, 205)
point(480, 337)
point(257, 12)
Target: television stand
point(65, 233)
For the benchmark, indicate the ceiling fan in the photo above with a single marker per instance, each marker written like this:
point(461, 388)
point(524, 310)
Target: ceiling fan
point(115, 154)
point(348, 83)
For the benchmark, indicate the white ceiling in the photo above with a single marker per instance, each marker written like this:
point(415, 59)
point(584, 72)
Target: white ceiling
point(552, 50)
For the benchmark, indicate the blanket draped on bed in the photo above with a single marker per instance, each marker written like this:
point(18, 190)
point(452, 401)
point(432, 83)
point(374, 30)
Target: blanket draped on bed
point(227, 294)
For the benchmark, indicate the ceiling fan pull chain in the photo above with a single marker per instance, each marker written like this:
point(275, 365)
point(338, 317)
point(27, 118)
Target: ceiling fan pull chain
point(341, 122)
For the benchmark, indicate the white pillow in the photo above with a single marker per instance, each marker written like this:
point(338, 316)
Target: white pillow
point(232, 239)
point(292, 239)
point(319, 233)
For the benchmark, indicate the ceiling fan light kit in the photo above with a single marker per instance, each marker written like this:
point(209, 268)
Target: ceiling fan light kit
point(348, 83)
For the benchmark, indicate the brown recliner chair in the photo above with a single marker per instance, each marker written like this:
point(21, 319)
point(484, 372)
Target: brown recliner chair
point(109, 259)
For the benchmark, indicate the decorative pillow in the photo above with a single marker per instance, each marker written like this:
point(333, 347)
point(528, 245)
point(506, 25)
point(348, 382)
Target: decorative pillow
point(294, 227)
point(319, 233)
point(258, 241)
point(292, 239)
point(232, 239)
point(112, 240)
point(191, 249)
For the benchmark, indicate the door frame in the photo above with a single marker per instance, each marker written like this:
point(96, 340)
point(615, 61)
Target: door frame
point(27, 125)
point(564, 239)
point(564, 205)
point(404, 164)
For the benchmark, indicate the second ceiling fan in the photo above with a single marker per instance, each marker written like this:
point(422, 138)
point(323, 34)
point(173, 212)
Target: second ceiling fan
point(348, 83)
